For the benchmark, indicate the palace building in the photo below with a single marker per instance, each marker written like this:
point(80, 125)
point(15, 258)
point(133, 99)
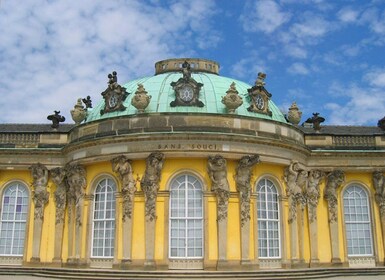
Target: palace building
point(187, 169)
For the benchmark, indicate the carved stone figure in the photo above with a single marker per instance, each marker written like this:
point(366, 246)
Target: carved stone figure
point(242, 178)
point(294, 115)
point(379, 185)
point(217, 169)
point(232, 100)
point(141, 99)
point(122, 166)
point(87, 101)
point(334, 181)
point(77, 183)
point(56, 118)
point(186, 70)
point(293, 191)
point(58, 176)
point(259, 97)
point(40, 195)
point(316, 120)
point(313, 192)
point(114, 95)
point(78, 113)
point(150, 182)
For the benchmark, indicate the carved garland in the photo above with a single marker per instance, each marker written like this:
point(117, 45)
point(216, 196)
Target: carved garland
point(58, 176)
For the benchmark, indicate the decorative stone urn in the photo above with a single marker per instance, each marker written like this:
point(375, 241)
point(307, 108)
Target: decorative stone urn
point(294, 115)
point(79, 113)
point(141, 99)
point(232, 100)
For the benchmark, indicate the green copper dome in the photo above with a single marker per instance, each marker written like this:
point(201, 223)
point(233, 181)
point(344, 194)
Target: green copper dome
point(162, 93)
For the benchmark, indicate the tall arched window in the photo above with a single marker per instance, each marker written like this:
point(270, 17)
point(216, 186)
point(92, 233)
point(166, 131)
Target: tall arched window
point(357, 221)
point(269, 244)
point(104, 219)
point(14, 212)
point(186, 217)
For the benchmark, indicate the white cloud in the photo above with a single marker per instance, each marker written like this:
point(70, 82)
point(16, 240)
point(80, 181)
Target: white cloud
point(363, 105)
point(298, 68)
point(347, 15)
point(376, 78)
point(54, 52)
point(264, 16)
point(311, 27)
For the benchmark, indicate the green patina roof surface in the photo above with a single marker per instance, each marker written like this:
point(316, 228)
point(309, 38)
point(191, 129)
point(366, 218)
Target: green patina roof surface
point(213, 89)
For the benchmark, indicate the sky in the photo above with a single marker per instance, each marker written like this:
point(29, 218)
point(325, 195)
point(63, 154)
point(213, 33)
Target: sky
point(328, 56)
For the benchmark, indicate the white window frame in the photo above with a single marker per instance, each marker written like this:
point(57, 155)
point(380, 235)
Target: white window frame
point(263, 183)
point(108, 183)
point(352, 220)
point(20, 187)
point(186, 218)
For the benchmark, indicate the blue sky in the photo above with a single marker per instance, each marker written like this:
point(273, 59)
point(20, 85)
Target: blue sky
point(328, 56)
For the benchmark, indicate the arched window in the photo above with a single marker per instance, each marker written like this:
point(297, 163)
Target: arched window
point(13, 220)
point(269, 244)
point(104, 220)
point(186, 218)
point(357, 221)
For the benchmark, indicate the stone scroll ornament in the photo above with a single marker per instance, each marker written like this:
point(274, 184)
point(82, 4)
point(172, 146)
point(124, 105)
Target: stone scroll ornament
point(77, 183)
point(122, 166)
point(333, 181)
point(217, 169)
point(40, 195)
point(58, 176)
point(242, 178)
point(313, 192)
point(379, 185)
point(150, 183)
point(294, 178)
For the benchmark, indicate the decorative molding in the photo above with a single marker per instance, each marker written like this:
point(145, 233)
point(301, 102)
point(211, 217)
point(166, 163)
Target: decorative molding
point(270, 263)
point(355, 141)
point(24, 139)
point(217, 169)
point(362, 262)
point(150, 183)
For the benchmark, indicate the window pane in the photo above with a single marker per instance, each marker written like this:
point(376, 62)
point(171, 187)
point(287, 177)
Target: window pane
point(357, 221)
point(268, 220)
point(186, 217)
point(13, 219)
point(104, 219)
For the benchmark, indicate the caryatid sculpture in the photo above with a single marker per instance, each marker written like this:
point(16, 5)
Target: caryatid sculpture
point(217, 169)
point(313, 192)
point(40, 195)
point(379, 185)
point(122, 166)
point(293, 190)
point(58, 176)
point(77, 183)
point(150, 182)
point(334, 181)
point(242, 178)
